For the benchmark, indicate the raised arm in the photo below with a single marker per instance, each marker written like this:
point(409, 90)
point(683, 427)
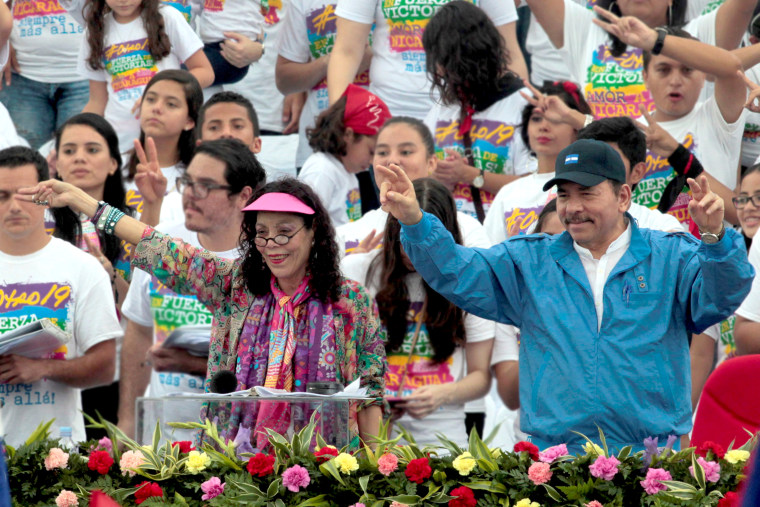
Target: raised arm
point(731, 22)
point(346, 56)
point(729, 87)
point(517, 64)
point(550, 14)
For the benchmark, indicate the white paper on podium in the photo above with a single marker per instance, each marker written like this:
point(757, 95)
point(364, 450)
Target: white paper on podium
point(34, 340)
point(194, 339)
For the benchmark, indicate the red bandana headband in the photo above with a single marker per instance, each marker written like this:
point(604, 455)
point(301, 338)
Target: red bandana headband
point(365, 113)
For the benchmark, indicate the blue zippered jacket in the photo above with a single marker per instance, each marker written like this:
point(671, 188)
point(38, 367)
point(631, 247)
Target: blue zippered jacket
point(632, 377)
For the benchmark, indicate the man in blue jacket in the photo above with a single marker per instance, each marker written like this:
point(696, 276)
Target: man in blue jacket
point(604, 309)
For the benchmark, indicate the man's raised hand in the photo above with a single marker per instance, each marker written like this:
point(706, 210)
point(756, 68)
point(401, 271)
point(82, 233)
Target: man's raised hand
point(397, 195)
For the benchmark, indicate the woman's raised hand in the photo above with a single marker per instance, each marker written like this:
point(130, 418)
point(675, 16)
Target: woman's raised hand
point(57, 194)
point(149, 179)
point(397, 195)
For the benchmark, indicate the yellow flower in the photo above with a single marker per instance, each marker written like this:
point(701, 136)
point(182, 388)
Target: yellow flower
point(591, 448)
point(346, 463)
point(464, 463)
point(736, 456)
point(197, 462)
point(525, 502)
point(495, 453)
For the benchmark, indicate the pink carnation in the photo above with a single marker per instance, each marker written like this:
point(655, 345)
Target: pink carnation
point(711, 468)
point(105, 444)
point(295, 478)
point(652, 484)
point(56, 458)
point(552, 453)
point(397, 504)
point(357, 505)
point(387, 464)
point(604, 468)
point(539, 472)
point(66, 498)
point(594, 503)
point(130, 460)
point(212, 488)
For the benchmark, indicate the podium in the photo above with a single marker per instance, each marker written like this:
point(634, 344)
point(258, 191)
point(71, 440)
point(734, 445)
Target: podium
point(332, 414)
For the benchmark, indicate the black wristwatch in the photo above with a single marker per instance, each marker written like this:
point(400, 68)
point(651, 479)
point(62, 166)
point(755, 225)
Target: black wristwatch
point(661, 33)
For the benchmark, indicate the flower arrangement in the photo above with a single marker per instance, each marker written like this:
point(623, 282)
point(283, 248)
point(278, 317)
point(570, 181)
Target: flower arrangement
point(293, 473)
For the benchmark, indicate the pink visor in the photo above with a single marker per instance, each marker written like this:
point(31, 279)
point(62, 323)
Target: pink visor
point(279, 201)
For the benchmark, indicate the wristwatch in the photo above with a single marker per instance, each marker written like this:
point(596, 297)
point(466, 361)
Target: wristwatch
point(263, 47)
point(661, 33)
point(710, 238)
point(478, 181)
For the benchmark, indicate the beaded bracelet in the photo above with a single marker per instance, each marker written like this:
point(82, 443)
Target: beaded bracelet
point(96, 216)
point(114, 215)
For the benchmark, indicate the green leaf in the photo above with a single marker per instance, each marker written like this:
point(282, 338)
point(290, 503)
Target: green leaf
point(491, 486)
point(604, 441)
point(249, 489)
point(699, 472)
point(274, 488)
point(156, 435)
point(624, 452)
point(329, 468)
point(553, 493)
point(42, 432)
point(678, 486)
point(180, 500)
point(317, 501)
point(218, 456)
point(405, 499)
point(492, 435)
point(363, 483)
point(305, 436)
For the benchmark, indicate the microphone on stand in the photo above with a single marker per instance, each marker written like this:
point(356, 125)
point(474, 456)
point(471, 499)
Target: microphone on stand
point(223, 382)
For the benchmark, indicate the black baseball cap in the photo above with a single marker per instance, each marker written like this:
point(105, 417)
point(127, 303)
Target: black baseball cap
point(587, 162)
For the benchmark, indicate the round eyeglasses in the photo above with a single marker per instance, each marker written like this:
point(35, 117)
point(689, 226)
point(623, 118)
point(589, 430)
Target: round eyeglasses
point(280, 239)
point(199, 189)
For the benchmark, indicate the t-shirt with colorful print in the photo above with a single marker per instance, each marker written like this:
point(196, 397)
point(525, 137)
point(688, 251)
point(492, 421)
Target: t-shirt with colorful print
point(421, 370)
point(337, 188)
point(128, 66)
point(714, 142)
point(46, 36)
point(497, 146)
point(397, 72)
point(69, 287)
point(751, 136)
point(245, 17)
point(171, 206)
point(307, 34)
point(518, 203)
point(723, 334)
point(613, 86)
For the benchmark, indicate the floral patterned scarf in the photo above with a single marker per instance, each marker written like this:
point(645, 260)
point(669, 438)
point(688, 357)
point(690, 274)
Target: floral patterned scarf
point(285, 343)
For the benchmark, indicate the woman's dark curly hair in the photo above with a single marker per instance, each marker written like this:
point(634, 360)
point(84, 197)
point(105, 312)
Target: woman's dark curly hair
point(443, 320)
point(676, 17)
point(113, 187)
point(561, 89)
point(158, 41)
point(323, 258)
point(194, 100)
point(465, 56)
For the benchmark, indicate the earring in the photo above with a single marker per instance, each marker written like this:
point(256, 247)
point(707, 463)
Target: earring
point(670, 14)
point(611, 6)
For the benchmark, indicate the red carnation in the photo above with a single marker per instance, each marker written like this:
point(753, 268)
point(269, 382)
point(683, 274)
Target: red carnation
point(325, 453)
point(730, 499)
point(185, 446)
point(464, 497)
point(531, 449)
point(147, 490)
point(100, 461)
point(418, 470)
point(709, 445)
point(261, 465)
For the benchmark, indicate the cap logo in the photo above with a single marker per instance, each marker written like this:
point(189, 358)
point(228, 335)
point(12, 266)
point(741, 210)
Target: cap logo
point(571, 159)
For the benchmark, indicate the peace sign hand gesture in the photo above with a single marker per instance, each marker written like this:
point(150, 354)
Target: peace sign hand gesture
point(552, 107)
point(397, 195)
point(753, 101)
point(149, 179)
point(628, 29)
point(659, 140)
point(706, 207)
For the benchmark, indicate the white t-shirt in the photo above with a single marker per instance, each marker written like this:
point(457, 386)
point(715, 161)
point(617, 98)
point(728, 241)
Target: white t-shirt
point(150, 303)
point(258, 85)
point(46, 39)
point(8, 135)
point(337, 188)
point(219, 16)
point(714, 142)
point(350, 234)
point(188, 8)
point(497, 146)
point(129, 66)
point(723, 334)
point(171, 206)
point(520, 201)
point(448, 419)
point(751, 136)
point(70, 287)
point(612, 86)
point(750, 308)
point(307, 34)
point(397, 72)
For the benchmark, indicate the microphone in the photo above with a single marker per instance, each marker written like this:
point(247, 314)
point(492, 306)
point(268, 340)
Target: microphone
point(223, 382)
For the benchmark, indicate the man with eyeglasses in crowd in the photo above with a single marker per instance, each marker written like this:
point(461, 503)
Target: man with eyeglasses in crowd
point(218, 183)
